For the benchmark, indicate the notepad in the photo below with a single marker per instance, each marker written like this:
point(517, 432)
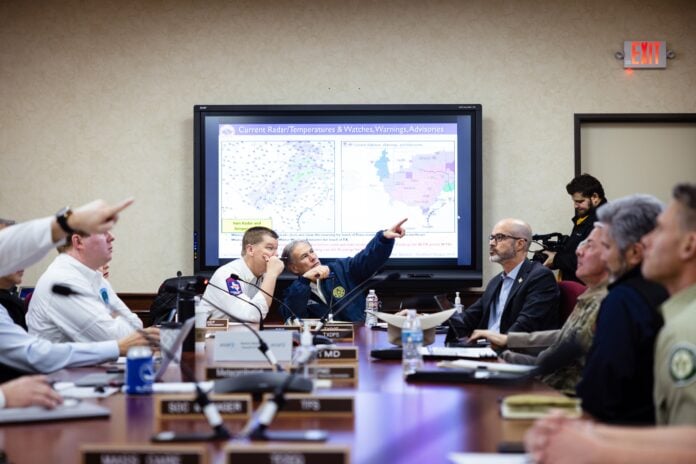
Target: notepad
point(491, 366)
point(534, 406)
point(451, 352)
point(70, 410)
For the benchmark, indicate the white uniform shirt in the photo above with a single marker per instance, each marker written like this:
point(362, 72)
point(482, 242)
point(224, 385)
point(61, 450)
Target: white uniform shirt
point(78, 318)
point(21, 246)
point(242, 306)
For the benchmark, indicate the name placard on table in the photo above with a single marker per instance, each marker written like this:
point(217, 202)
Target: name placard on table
point(308, 405)
point(337, 354)
point(244, 346)
point(216, 324)
point(175, 407)
point(339, 332)
point(282, 453)
point(143, 454)
point(339, 374)
point(213, 373)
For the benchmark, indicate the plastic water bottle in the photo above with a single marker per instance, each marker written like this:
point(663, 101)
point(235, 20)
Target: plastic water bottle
point(372, 304)
point(458, 304)
point(411, 342)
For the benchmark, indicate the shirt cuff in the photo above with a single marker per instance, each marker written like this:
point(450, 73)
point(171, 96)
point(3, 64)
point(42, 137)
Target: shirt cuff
point(2, 399)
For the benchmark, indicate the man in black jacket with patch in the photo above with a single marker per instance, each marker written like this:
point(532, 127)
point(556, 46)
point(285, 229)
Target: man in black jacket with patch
point(523, 298)
point(617, 381)
point(588, 195)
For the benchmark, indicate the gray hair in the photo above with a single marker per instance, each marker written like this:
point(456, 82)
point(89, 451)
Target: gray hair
point(630, 218)
point(286, 256)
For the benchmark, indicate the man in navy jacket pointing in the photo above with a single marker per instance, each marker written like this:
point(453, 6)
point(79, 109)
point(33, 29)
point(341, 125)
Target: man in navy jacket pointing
point(320, 287)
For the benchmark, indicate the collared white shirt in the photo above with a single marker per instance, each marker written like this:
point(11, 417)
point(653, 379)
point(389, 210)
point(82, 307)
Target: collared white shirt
point(96, 315)
point(21, 246)
point(244, 305)
point(499, 306)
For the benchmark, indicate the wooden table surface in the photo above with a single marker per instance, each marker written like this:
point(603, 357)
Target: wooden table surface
point(395, 421)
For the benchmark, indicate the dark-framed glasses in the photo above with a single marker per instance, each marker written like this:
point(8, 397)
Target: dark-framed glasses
point(500, 237)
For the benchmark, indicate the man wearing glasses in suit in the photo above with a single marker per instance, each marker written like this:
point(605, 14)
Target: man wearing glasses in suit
point(522, 298)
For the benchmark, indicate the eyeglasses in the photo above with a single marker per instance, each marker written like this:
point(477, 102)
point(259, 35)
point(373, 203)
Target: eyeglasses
point(500, 237)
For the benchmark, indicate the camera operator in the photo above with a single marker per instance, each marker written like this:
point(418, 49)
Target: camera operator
point(587, 194)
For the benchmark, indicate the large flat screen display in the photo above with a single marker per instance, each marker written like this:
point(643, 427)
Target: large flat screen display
point(335, 175)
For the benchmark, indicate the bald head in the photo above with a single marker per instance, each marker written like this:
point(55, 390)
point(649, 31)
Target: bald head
point(509, 242)
point(517, 228)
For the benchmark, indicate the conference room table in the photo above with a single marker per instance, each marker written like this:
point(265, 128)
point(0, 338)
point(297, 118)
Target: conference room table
point(394, 421)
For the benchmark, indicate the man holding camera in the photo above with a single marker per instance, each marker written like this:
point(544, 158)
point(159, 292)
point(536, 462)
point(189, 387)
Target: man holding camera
point(588, 195)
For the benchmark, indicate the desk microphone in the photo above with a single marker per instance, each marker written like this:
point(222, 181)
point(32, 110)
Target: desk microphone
point(209, 409)
point(277, 300)
point(263, 347)
point(316, 339)
point(257, 427)
point(259, 382)
point(350, 296)
point(236, 319)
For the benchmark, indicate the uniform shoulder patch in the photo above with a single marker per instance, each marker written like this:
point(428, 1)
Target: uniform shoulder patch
point(682, 364)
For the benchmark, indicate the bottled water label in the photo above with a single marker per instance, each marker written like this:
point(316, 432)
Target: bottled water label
point(371, 304)
point(415, 336)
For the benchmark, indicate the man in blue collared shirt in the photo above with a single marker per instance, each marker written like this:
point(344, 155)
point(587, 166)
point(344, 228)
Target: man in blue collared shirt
point(523, 298)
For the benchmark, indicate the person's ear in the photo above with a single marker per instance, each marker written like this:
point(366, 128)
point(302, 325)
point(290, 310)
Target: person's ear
point(687, 247)
point(634, 254)
point(594, 199)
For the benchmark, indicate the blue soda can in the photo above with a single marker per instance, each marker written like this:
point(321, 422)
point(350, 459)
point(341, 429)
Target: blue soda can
point(139, 371)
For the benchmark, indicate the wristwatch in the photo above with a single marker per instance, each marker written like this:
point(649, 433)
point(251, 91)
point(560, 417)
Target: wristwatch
point(62, 219)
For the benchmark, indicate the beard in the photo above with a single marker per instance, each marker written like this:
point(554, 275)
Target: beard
point(500, 257)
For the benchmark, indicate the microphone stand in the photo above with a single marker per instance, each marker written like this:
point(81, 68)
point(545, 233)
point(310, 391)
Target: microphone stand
point(331, 300)
point(316, 340)
point(277, 300)
point(344, 303)
point(209, 409)
point(257, 427)
point(259, 380)
point(263, 347)
point(235, 318)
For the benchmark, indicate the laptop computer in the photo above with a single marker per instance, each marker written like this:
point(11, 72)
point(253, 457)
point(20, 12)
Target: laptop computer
point(443, 302)
point(99, 379)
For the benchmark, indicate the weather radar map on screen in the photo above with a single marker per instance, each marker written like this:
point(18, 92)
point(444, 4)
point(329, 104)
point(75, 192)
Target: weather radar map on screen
point(335, 183)
point(336, 178)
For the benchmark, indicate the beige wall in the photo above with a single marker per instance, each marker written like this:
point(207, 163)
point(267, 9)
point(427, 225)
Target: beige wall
point(97, 96)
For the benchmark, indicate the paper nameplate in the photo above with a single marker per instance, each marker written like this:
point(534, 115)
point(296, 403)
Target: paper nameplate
point(339, 332)
point(212, 373)
point(337, 354)
point(337, 373)
point(216, 324)
point(286, 453)
point(143, 454)
point(244, 346)
point(300, 404)
point(230, 406)
point(291, 328)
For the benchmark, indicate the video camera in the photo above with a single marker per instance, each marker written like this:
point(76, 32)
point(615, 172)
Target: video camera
point(549, 242)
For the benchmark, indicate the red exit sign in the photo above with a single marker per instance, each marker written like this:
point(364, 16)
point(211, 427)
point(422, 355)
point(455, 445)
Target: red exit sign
point(645, 54)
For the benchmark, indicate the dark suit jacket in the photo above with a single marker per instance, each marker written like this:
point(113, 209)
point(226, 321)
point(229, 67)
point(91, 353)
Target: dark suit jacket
point(531, 305)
